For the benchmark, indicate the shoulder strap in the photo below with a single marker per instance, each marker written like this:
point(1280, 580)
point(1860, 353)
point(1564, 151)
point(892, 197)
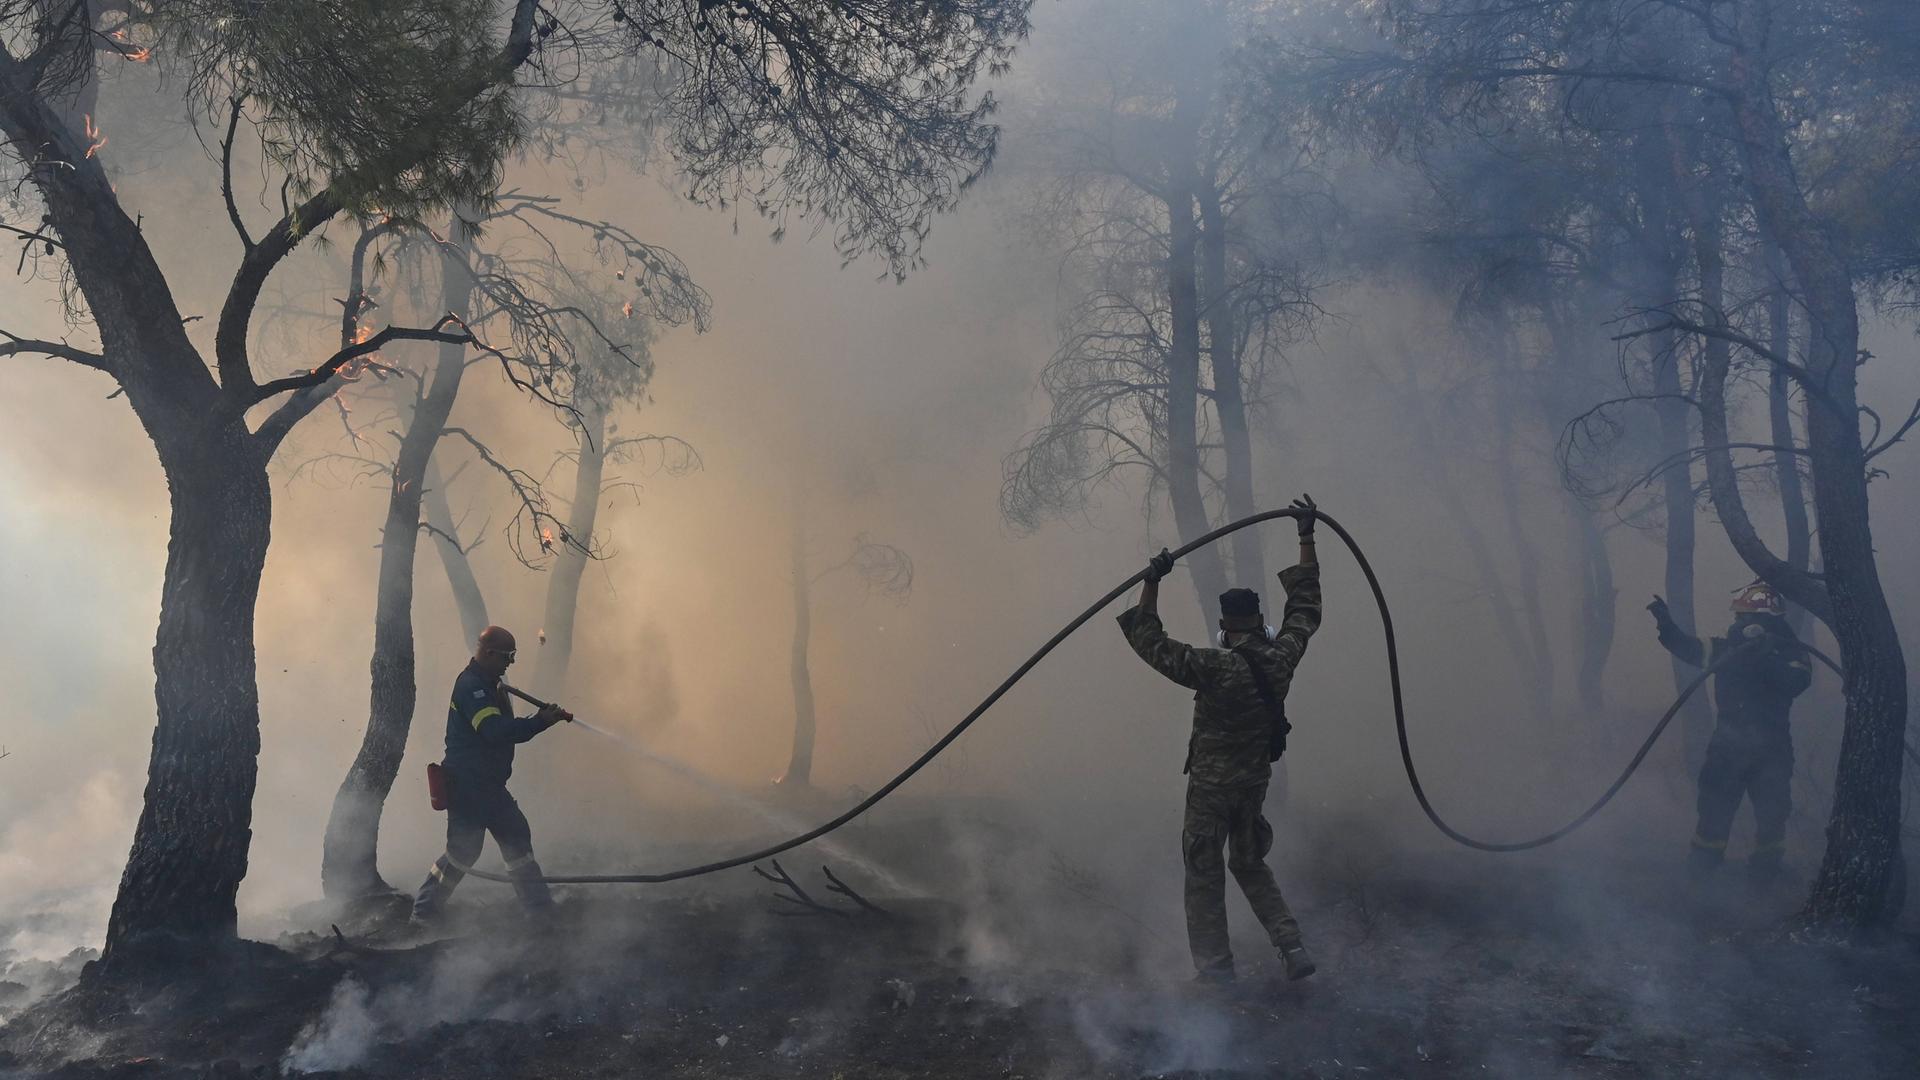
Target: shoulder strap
point(1277, 742)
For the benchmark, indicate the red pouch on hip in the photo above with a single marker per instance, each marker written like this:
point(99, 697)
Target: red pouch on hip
point(437, 785)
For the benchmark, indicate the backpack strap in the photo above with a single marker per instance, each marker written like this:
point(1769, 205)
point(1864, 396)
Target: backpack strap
point(1277, 737)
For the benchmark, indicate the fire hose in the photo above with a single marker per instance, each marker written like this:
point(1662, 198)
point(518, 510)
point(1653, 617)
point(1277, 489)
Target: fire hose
point(1399, 720)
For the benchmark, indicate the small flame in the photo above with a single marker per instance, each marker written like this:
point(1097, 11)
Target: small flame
point(546, 539)
point(140, 55)
point(543, 635)
point(97, 141)
point(625, 309)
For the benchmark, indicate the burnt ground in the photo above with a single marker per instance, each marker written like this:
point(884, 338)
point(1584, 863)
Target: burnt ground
point(1517, 969)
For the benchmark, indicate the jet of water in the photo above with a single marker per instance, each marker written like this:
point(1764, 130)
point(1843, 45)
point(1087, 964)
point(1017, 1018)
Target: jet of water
point(736, 797)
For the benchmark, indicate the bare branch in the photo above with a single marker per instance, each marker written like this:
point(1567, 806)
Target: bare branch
point(226, 173)
point(534, 513)
point(15, 345)
point(1899, 433)
point(835, 885)
point(796, 895)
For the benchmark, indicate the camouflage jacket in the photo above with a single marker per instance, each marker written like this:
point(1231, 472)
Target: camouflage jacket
point(1231, 724)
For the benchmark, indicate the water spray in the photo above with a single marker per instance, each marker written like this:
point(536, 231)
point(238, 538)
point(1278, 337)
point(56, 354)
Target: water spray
point(706, 782)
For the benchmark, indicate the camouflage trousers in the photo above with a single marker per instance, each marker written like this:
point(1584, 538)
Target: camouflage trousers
point(1742, 765)
point(1231, 818)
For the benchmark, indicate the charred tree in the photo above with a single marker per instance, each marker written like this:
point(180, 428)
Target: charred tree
point(467, 594)
point(799, 667)
point(878, 569)
point(570, 565)
point(348, 861)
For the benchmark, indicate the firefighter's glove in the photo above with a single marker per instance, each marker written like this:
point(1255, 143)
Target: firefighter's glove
point(1305, 521)
point(554, 714)
point(1662, 617)
point(1158, 567)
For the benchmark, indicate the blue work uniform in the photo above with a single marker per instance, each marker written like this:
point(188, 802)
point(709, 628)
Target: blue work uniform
point(1751, 753)
point(481, 735)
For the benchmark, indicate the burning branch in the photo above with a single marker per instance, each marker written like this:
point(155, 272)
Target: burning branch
point(335, 364)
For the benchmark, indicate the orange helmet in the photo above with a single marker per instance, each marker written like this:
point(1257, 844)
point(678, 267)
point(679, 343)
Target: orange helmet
point(1759, 598)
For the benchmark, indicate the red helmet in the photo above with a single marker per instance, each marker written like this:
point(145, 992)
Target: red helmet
point(1759, 598)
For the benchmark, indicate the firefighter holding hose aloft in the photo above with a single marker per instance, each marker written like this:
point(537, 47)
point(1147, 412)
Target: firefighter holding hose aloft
point(1751, 752)
point(481, 734)
point(1239, 730)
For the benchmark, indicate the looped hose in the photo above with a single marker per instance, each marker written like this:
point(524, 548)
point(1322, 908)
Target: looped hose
point(1399, 722)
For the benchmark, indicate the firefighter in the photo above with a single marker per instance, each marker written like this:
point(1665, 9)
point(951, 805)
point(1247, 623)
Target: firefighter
point(1751, 752)
point(1239, 729)
point(481, 734)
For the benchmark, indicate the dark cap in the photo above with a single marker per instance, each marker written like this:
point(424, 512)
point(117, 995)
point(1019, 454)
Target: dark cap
point(1240, 610)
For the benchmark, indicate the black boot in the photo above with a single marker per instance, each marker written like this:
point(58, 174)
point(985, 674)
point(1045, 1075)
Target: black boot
point(1299, 963)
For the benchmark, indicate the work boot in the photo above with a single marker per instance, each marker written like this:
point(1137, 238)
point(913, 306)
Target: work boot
point(1299, 963)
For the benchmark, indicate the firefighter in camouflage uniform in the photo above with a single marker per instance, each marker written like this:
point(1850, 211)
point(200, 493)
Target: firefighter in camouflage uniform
point(1751, 752)
point(1239, 729)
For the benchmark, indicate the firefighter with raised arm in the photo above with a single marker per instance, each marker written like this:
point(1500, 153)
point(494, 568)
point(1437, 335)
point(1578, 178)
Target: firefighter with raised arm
point(481, 734)
point(1239, 729)
point(1751, 753)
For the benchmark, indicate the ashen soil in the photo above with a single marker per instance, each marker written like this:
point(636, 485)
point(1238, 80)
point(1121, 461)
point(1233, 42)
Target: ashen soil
point(1518, 970)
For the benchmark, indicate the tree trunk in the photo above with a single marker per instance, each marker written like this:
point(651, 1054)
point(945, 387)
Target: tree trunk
point(1786, 463)
point(1229, 397)
point(1184, 489)
point(800, 765)
point(1598, 599)
point(350, 851)
point(1539, 652)
point(1863, 835)
point(563, 588)
point(1676, 490)
point(190, 846)
point(446, 539)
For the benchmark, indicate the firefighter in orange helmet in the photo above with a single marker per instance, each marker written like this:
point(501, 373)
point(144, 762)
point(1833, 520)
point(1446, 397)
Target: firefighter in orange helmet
point(1751, 752)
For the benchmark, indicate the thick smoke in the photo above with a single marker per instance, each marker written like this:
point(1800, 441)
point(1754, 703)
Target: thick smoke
point(889, 409)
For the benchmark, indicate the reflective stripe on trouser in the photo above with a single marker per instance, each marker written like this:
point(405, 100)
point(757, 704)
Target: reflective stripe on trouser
point(1229, 817)
point(527, 885)
point(470, 818)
